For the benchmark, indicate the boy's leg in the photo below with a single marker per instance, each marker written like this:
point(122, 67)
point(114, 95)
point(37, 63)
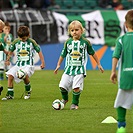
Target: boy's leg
point(10, 91)
point(75, 99)
point(27, 87)
point(64, 94)
point(1, 89)
point(2, 65)
point(78, 87)
point(1, 74)
point(65, 83)
point(27, 91)
point(30, 72)
point(9, 94)
point(123, 99)
point(121, 114)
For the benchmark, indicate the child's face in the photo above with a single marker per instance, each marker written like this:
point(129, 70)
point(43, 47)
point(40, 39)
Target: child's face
point(76, 32)
point(6, 29)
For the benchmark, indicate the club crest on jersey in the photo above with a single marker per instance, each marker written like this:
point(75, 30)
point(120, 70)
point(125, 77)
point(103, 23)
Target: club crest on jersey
point(81, 46)
point(69, 46)
point(75, 54)
point(23, 53)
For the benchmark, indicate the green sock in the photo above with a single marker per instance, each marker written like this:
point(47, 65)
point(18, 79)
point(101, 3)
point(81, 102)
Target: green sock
point(10, 92)
point(27, 87)
point(64, 94)
point(76, 96)
point(1, 75)
point(121, 113)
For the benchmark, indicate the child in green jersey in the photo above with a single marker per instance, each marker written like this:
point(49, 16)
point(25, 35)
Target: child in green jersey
point(8, 39)
point(25, 49)
point(2, 51)
point(124, 53)
point(75, 50)
point(2, 24)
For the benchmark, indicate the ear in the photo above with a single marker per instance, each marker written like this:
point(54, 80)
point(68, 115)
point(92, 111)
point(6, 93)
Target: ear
point(125, 25)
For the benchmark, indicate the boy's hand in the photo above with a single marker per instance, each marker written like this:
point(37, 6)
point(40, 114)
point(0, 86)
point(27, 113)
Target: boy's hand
point(100, 68)
point(56, 70)
point(113, 77)
point(7, 63)
point(42, 65)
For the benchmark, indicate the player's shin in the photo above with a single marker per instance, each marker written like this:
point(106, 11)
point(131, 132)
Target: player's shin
point(121, 113)
point(10, 92)
point(75, 99)
point(27, 87)
point(64, 94)
point(27, 91)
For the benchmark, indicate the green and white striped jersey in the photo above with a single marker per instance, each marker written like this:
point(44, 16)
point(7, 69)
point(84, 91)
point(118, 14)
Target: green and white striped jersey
point(8, 41)
point(76, 55)
point(1, 43)
point(24, 51)
point(1, 46)
point(124, 52)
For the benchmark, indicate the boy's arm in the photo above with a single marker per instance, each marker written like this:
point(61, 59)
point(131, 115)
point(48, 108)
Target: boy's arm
point(98, 62)
point(58, 64)
point(113, 76)
point(42, 60)
point(5, 51)
point(7, 62)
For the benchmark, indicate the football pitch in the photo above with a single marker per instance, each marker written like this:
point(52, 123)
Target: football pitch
point(36, 114)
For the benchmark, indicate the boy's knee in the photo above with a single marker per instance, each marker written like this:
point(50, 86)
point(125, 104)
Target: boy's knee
point(76, 89)
point(62, 89)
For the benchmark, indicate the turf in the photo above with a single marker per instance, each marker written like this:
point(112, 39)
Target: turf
point(36, 115)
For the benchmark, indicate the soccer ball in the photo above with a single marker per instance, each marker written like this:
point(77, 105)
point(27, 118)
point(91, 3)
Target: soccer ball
point(57, 104)
point(21, 74)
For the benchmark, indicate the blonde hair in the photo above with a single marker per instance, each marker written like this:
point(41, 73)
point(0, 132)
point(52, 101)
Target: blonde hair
point(2, 23)
point(73, 23)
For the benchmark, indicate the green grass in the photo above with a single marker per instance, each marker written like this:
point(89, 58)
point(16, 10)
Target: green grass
point(37, 116)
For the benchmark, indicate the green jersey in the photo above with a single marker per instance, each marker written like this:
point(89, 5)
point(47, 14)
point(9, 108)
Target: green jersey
point(24, 51)
point(8, 40)
point(1, 46)
point(76, 55)
point(1, 43)
point(124, 52)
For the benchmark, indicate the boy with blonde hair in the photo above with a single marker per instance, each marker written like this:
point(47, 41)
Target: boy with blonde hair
point(75, 51)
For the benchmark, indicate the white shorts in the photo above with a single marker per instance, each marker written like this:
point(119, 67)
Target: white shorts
point(124, 99)
point(28, 69)
point(71, 82)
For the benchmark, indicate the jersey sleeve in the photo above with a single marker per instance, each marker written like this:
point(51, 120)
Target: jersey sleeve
point(118, 49)
point(64, 50)
point(35, 45)
point(2, 46)
point(12, 46)
point(90, 49)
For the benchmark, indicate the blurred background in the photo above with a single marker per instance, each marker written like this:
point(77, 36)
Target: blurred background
point(48, 20)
